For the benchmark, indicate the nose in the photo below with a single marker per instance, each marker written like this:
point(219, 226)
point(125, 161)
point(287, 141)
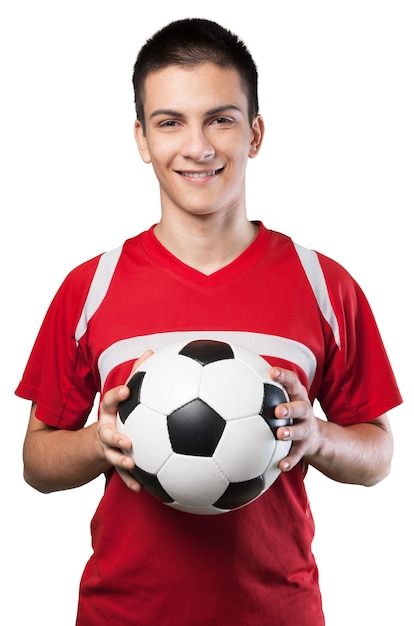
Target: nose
point(197, 146)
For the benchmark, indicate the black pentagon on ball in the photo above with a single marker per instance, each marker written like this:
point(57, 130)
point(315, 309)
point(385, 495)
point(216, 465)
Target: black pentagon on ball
point(239, 494)
point(206, 351)
point(195, 429)
point(273, 396)
point(127, 406)
point(151, 483)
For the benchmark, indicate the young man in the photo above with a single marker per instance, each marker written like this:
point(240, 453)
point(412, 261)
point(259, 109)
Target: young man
point(205, 269)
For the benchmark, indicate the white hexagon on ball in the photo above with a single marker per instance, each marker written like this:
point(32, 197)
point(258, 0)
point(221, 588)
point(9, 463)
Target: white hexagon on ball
point(192, 480)
point(249, 439)
point(180, 370)
point(149, 434)
point(244, 389)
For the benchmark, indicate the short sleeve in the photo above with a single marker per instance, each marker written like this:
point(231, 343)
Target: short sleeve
point(58, 376)
point(358, 383)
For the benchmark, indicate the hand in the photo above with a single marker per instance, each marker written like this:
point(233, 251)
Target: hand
point(304, 433)
point(115, 445)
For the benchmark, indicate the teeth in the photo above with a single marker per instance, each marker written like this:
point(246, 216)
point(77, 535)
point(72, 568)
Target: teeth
point(199, 174)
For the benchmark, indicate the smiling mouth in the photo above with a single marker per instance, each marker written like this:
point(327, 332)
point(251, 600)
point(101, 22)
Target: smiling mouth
point(201, 174)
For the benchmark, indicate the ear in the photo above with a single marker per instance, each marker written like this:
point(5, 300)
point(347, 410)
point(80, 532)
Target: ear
point(141, 142)
point(257, 136)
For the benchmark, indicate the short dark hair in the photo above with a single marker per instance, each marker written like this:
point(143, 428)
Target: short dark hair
point(189, 42)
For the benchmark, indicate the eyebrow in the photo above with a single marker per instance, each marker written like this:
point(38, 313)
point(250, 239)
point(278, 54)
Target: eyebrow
point(214, 111)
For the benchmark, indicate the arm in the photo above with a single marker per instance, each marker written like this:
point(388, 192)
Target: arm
point(358, 454)
point(56, 459)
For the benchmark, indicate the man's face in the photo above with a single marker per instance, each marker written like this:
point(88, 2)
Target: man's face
point(198, 137)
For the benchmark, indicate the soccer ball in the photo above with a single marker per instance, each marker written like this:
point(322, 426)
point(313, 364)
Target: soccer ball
point(200, 416)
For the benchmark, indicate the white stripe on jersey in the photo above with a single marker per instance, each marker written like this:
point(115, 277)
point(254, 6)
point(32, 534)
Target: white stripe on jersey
point(314, 273)
point(266, 345)
point(98, 288)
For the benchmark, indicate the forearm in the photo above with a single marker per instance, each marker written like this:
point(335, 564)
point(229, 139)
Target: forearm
point(61, 459)
point(358, 454)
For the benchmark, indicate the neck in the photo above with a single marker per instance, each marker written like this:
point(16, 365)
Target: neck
point(207, 244)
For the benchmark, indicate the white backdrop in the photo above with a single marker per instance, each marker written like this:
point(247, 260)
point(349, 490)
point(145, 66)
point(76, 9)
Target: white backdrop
point(335, 173)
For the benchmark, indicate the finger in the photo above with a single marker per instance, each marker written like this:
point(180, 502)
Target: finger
point(107, 423)
point(112, 439)
point(129, 480)
point(118, 457)
point(112, 398)
point(139, 362)
point(290, 382)
point(298, 409)
point(293, 458)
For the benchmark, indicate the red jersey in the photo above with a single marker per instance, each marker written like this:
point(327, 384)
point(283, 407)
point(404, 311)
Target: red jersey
point(155, 565)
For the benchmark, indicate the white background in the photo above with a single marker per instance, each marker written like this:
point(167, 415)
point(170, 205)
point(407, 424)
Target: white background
point(335, 173)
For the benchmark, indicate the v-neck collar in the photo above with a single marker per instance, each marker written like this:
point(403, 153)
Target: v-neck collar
point(248, 258)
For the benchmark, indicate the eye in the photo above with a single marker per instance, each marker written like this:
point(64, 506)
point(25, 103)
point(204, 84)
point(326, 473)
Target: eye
point(222, 120)
point(168, 124)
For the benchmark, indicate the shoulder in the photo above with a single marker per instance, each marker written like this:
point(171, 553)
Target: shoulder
point(87, 283)
point(98, 268)
point(80, 277)
point(315, 263)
